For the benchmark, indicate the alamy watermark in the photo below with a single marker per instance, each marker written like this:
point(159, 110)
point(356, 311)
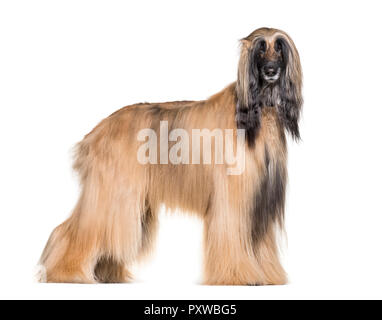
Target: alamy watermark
point(179, 152)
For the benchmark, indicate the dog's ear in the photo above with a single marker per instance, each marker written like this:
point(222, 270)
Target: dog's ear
point(291, 102)
point(248, 111)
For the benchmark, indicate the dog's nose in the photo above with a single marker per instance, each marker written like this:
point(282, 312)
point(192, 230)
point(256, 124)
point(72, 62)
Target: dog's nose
point(270, 70)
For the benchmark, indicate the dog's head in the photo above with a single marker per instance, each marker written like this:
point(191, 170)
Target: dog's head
point(269, 75)
point(271, 59)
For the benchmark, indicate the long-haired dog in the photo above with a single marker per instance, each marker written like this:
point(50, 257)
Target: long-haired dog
point(115, 220)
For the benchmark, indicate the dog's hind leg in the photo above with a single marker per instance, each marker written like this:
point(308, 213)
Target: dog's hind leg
point(69, 255)
point(109, 270)
point(103, 235)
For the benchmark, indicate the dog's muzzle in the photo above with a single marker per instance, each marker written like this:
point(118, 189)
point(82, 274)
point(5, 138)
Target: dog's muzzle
point(271, 72)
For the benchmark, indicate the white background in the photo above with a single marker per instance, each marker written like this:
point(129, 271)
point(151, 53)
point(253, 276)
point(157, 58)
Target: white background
point(65, 65)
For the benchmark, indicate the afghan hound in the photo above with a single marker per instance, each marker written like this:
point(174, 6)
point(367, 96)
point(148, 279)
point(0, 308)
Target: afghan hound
point(115, 220)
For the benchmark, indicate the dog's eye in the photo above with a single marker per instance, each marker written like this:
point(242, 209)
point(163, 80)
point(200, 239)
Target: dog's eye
point(262, 46)
point(278, 46)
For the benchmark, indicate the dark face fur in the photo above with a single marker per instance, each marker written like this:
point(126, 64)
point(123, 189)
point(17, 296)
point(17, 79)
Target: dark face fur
point(270, 60)
point(269, 76)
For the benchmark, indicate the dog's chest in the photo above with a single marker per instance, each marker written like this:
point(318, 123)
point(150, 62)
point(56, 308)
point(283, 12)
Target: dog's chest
point(270, 96)
point(271, 132)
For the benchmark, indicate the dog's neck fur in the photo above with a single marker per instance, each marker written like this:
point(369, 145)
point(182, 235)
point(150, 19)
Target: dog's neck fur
point(249, 117)
point(269, 96)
